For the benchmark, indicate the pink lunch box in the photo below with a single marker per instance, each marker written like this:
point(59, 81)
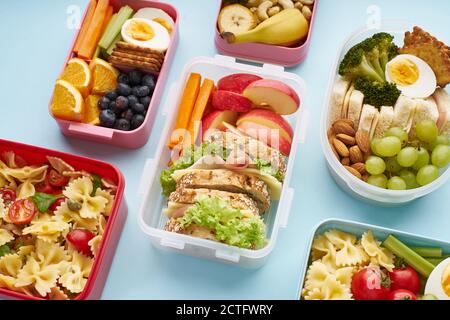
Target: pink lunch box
point(138, 137)
point(100, 269)
point(264, 53)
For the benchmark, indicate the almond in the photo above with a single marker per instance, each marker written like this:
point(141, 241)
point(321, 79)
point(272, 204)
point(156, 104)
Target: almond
point(365, 177)
point(348, 121)
point(345, 161)
point(356, 155)
point(353, 172)
point(348, 140)
point(360, 167)
point(334, 151)
point(363, 140)
point(341, 148)
point(330, 133)
point(341, 126)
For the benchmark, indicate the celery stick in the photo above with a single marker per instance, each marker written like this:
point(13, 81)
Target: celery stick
point(97, 52)
point(421, 265)
point(435, 261)
point(113, 44)
point(123, 15)
point(109, 27)
point(428, 252)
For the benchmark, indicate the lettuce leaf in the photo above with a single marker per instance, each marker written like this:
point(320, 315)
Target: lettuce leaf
point(228, 224)
point(266, 167)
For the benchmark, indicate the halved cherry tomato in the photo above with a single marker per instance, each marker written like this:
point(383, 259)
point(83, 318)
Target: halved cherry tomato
point(22, 211)
point(45, 187)
point(55, 179)
point(405, 278)
point(8, 195)
point(56, 204)
point(79, 239)
point(402, 294)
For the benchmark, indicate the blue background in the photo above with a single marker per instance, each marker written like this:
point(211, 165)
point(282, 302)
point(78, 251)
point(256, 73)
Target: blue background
point(34, 44)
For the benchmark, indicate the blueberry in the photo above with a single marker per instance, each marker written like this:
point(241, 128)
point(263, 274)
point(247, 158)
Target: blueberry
point(143, 91)
point(128, 115)
point(113, 107)
point(123, 78)
point(138, 108)
point(107, 118)
point(135, 90)
point(135, 77)
point(122, 124)
point(123, 89)
point(132, 100)
point(137, 121)
point(112, 95)
point(145, 101)
point(149, 81)
point(122, 103)
point(103, 103)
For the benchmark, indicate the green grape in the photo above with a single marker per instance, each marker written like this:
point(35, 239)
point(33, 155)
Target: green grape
point(423, 158)
point(410, 179)
point(399, 133)
point(375, 165)
point(396, 183)
point(427, 131)
point(389, 146)
point(407, 157)
point(374, 144)
point(440, 156)
point(427, 174)
point(392, 165)
point(445, 140)
point(379, 180)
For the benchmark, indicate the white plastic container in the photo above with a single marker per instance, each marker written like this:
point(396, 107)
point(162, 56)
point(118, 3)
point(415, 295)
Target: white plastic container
point(152, 220)
point(352, 185)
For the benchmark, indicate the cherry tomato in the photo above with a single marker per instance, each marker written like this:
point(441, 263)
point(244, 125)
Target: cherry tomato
point(44, 187)
point(56, 204)
point(402, 294)
point(22, 211)
point(8, 195)
point(55, 179)
point(405, 278)
point(79, 239)
point(370, 284)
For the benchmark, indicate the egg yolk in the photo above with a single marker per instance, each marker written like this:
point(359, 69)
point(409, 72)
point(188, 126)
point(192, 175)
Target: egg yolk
point(140, 31)
point(164, 23)
point(446, 280)
point(403, 72)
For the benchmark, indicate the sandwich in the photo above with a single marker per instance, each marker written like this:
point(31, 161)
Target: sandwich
point(404, 110)
point(385, 121)
point(442, 99)
point(369, 119)
point(426, 109)
point(340, 89)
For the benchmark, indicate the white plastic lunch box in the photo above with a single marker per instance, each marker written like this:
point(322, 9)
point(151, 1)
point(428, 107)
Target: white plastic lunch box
point(352, 185)
point(358, 229)
point(152, 220)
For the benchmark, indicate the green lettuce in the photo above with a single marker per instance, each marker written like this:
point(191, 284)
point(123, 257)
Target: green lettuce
point(266, 167)
point(228, 224)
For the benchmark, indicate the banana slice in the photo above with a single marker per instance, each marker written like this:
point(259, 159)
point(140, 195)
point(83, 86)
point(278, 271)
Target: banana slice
point(236, 18)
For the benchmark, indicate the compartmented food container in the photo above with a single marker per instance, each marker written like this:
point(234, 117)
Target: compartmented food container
point(347, 181)
point(131, 138)
point(151, 218)
point(379, 234)
point(111, 234)
point(287, 56)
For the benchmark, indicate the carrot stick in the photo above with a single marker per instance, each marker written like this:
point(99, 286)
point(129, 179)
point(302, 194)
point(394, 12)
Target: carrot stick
point(93, 33)
point(200, 107)
point(85, 26)
point(185, 109)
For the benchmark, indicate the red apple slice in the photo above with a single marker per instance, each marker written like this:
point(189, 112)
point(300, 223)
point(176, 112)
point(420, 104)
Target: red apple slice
point(216, 119)
point(237, 82)
point(278, 95)
point(269, 119)
point(227, 100)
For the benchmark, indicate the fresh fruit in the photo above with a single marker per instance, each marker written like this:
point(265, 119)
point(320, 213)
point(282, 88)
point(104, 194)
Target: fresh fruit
point(149, 81)
point(269, 119)
point(137, 121)
point(399, 133)
point(22, 211)
point(8, 195)
point(135, 77)
point(145, 101)
point(396, 183)
point(285, 28)
point(427, 131)
point(91, 109)
point(236, 18)
point(67, 103)
point(123, 89)
point(56, 204)
point(392, 165)
point(123, 78)
point(122, 124)
point(79, 239)
point(78, 74)
point(440, 157)
point(227, 100)
point(423, 158)
point(138, 108)
point(374, 146)
point(407, 157)
point(427, 175)
point(104, 102)
point(409, 178)
point(237, 82)
point(104, 76)
point(216, 118)
point(111, 95)
point(107, 118)
point(389, 146)
point(55, 179)
point(370, 284)
point(405, 278)
point(379, 180)
point(375, 165)
point(402, 294)
point(274, 94)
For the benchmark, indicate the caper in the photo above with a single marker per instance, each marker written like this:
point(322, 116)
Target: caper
point(74, 205)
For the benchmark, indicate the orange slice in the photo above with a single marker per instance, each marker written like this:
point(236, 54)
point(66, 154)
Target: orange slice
point(104, 76)
point(67, 103)
point(78, 74)
point(91, 110)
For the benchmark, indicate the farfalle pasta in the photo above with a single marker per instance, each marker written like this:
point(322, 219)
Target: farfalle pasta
point(378, 255)
point(348, 252)
point(44, 208)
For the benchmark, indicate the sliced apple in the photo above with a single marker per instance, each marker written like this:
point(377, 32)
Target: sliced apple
point(237, 82)
point(276, 94)
point(216, 119)
point(227, 100)
point(270, 119)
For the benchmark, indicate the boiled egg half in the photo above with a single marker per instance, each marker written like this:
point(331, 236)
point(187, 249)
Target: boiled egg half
point(438, 283)
point(146, 34)
point(413, 76)
point(156, 15)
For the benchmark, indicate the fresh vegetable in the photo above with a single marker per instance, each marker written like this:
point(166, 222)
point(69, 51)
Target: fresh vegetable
point(56, 204)
point(111, 33)
point(427, 252)
point(370, 284)
point(402, 294)
point(405, 278)
point(44, 201)
point(22, 211)
point(56, 179)
point(203, 99)
point(8, 195)
point(4, 250)
point(377, 93)
point(229, 225)
point(45, 187)
point(85, 26)
point(266, 167)
point(419, 264)
point(96, 182)
point(79, 239)
point(106, 20)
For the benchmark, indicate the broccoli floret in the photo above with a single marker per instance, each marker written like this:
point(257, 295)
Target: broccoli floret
point(376, 93)
point(387, 48)
point(355, 64)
